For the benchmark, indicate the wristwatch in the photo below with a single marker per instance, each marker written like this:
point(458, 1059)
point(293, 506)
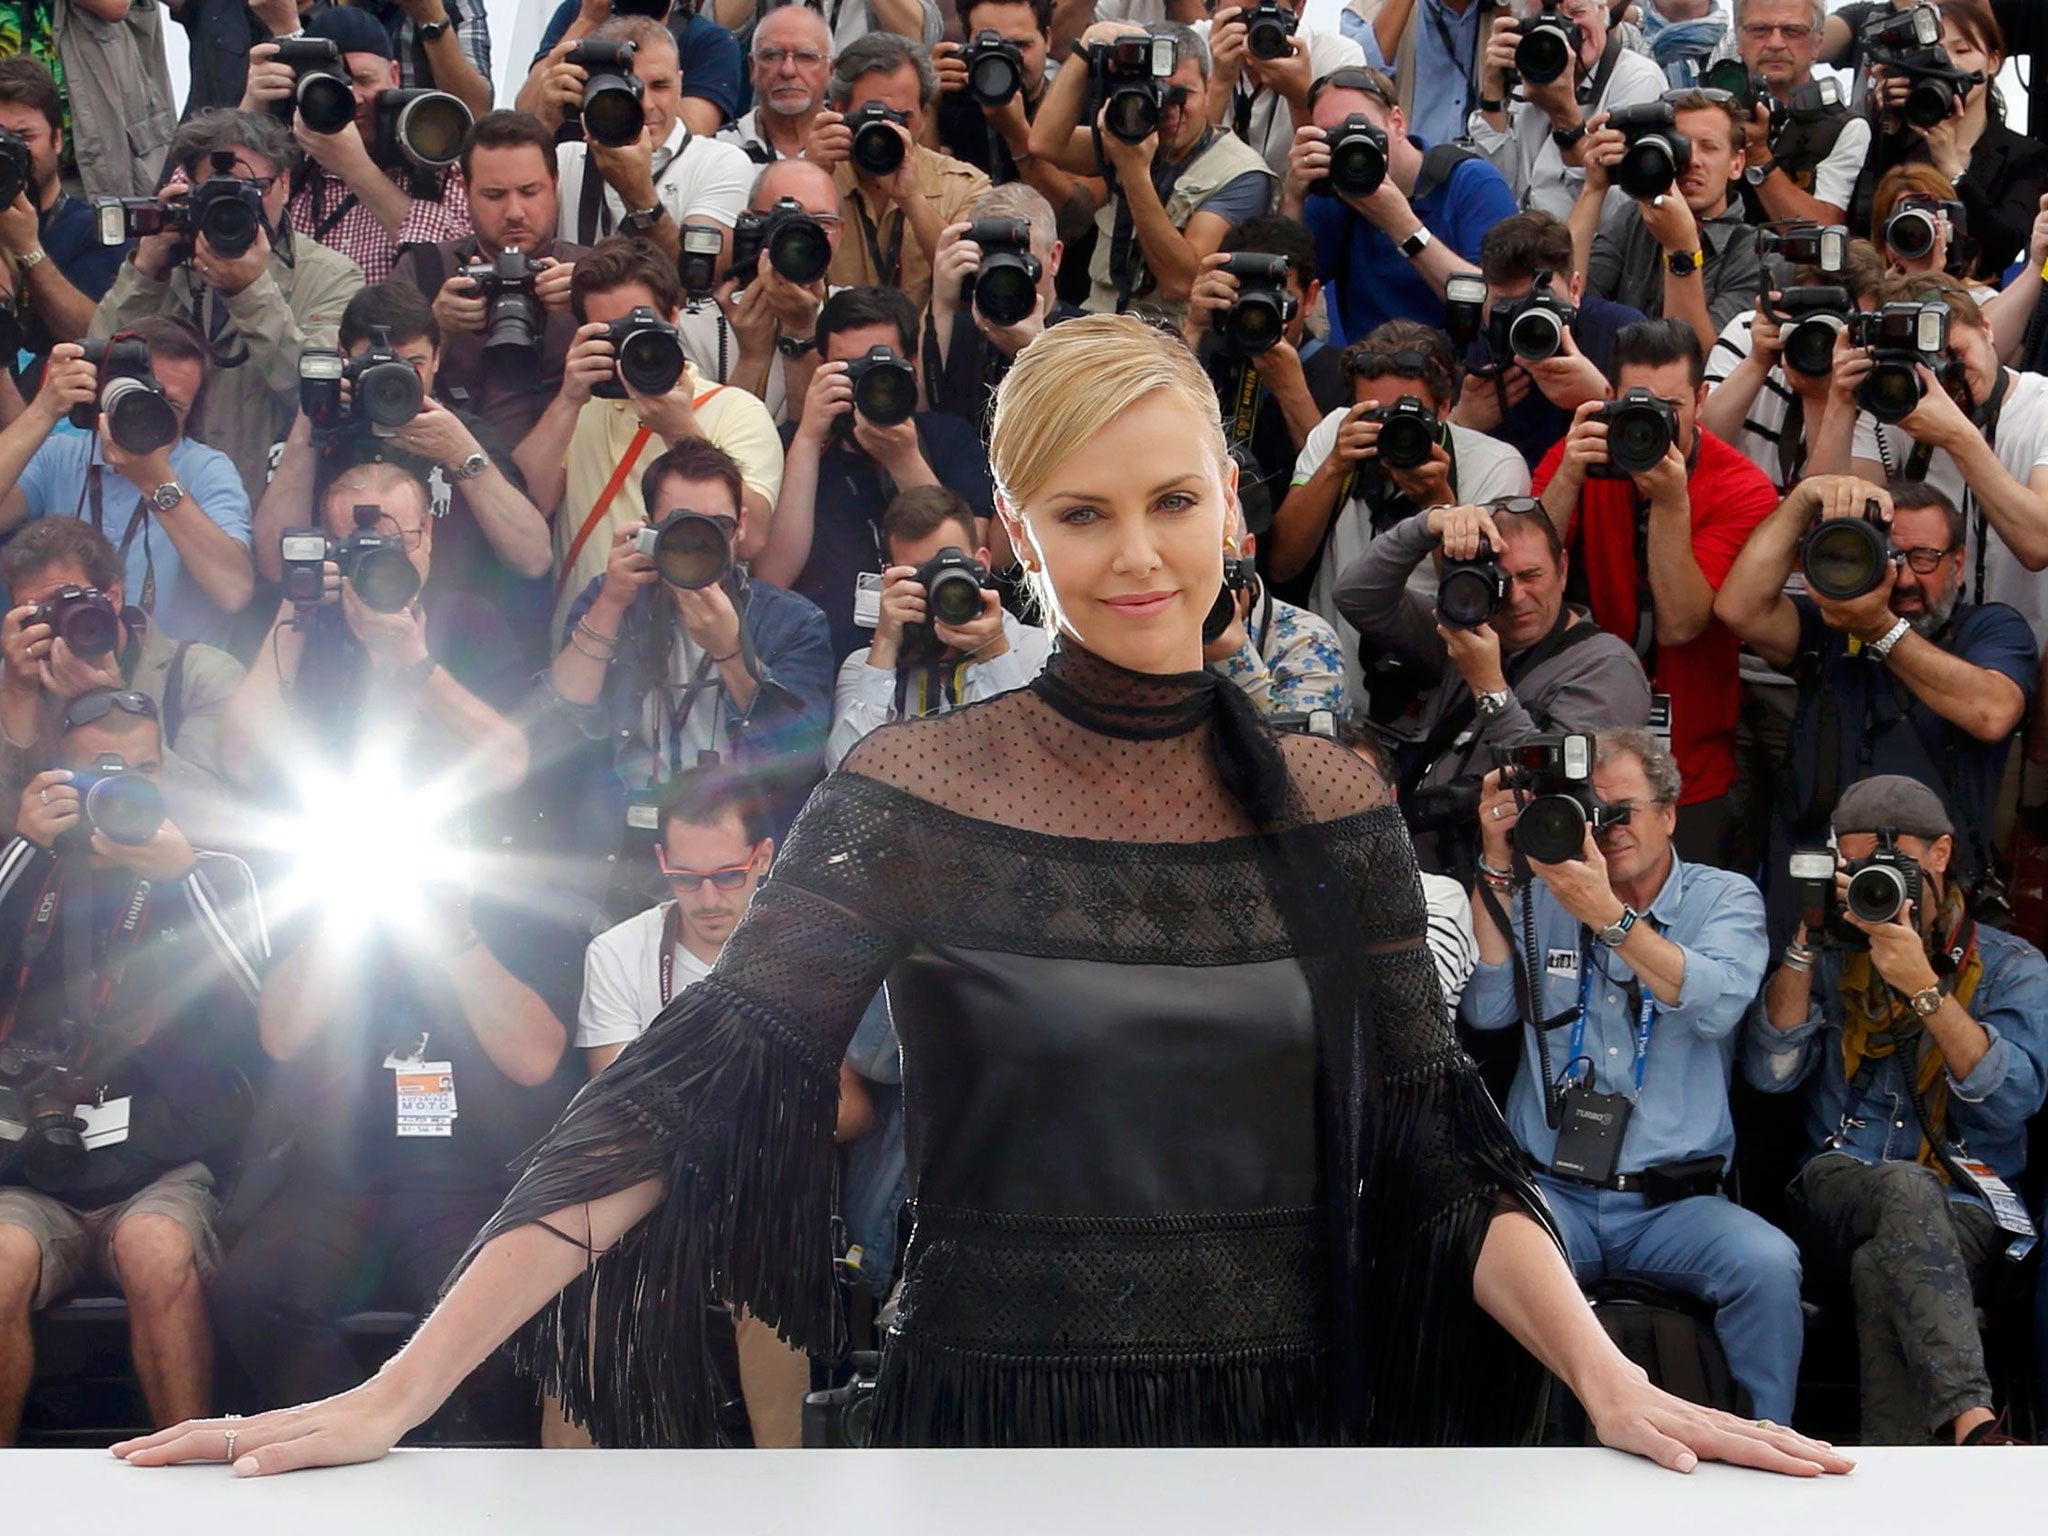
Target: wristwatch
point(1683, 263)
point(32, 258)
point(1615, 932)
point(1881, 647)
point(414, 677)
point(1565, 138)
point(431, 31)
point(472, 466)
point(1757, 175)
point(1491, 706)
point(1488, 104)
point(1927, 1001)
point(641, 221)
point(167, 496)
point(796, 346)
point(1416, 244)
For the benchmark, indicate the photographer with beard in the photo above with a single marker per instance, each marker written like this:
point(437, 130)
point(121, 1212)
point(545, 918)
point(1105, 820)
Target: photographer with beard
point(1905, 679)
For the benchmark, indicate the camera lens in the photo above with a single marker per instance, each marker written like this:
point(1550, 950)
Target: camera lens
point(326, 103)
point(878, 149)
point(1910, 234)
point(1876, 893)
point(1254, 325)
point(1647, 168)
point(1004, 291)
point(799, 251)
point(1929, 103)
point(125, 806)
point(513, 323)
point(89, 629)
point(431, 129)
point(691, 551)
point(1637, 440)
point(886, 395)
point(1844, 558)
point(954, 597)
point(1551, 829)
point(612, 114)
point(1406, 442)
point(1357, 166)
point(1810, 346)
point(1542, 56)
point(992, 79)
point(139, 417)
point(1536, 335)
point(1132, 113)
point(651, 361)
point(1891, 391)
point(229, 223)
point(1467, 597)
point(54, 1147)
point(384, 578)
point(388, 395)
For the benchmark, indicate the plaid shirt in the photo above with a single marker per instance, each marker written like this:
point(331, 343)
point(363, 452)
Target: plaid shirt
point(324, 209)
point(472, 30)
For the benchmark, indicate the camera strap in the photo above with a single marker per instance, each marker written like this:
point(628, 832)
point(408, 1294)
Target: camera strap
point(87, 987)
point(1433, 9)
point(1792, 442)
point(887, 263)
point(1596, 83)
point(324, 221)
point(671, 935)
point(1641, 1002)
point(138, 524)
point(1525, 966)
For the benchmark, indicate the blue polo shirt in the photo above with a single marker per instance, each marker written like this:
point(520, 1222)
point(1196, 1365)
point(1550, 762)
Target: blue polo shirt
point(709, 54)
point(1370, 281)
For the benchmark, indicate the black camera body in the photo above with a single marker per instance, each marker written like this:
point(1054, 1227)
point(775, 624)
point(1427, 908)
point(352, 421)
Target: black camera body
point(690, 550)
point(1641, 427)
point(41, 1087)
point(995, 68)
point(1916, 224)
point(1657, 153)
point(1545, 45)
point(83, 618)
point(1409, 433)
point(1900, 337)
point(953, 583)
point(513, 318)
point(1745, 90)
point(1004, 287)
point(842, 1418)
point(797, 245)
point(1358, 159)
point(384, 392)
point(117, 800)
point(878, 149)
point(1844, 557)
point(1554, 775)
point(649, 352)
point(1469, 592)
point(1810, 320)
point(137, 411)
point(17, 167)
point(1936, 85)
point(1269, 30)
point(884, 387)
point(1530, 329)
point(323, 97)
point(1257, 321)
point(1127, 83)
point(375, 563)
point(225, 209)
point(1885, 886)
point(612, 113)
point(1238, 573)
point(1802, 243)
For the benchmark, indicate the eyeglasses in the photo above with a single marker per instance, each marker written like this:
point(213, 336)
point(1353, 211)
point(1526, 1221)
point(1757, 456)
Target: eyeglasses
point(1924, 558)
point(730, 878)
point(804, 58)
point(1792, 32)
point(88, 707)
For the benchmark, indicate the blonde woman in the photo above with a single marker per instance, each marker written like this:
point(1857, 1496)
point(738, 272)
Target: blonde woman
point(1197, 1159)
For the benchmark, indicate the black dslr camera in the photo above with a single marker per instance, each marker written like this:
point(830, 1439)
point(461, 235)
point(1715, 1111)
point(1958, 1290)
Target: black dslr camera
point(225, 209)
point(1883, 888)
point(884, 388)
point(1641, 427)
point(995, 68)
point(83, 618)
point(1809, 321)
point(797, 246)
point(1657, 154)
point(1530, 329)
point(384, 392)
point(1269, 30)
point(1409, 433)
point(953, 582)
point(1257, 321)
point(1553, 778)
point(323, 97)
point(1127, 83)
point(1908, 43)
point(612, 113)
point(1004, 287)
point(1802, 243)
point(1916, 224)
point(878, 149)
point(421, 128)
point(17, 167)
point(1470, 591)
point(1238, 571)
point(1901, 336)
point(513, 320)
point(1845, 557)
point(649, 352)
point(122, 802)
point(1745, 91)
point(1358, 159)
point(689, 549)
point(1545, 45)
point(373, 562)
point(842, 1418)
point(41, 1087)
point(138, 413)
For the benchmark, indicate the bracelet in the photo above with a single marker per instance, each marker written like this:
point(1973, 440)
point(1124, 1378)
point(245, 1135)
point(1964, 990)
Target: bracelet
point(1494, 876)
point(1797, 965)
point(719, 661)
point(584, 627)
point(576, 639)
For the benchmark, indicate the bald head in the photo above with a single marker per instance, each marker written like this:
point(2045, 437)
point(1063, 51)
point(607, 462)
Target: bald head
point(806, 181)
point(793, 26)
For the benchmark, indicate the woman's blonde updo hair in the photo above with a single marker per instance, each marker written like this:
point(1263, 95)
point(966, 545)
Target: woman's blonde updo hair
point(1072, 381)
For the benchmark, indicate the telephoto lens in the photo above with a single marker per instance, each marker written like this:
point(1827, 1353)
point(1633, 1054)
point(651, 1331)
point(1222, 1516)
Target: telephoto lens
point(689, 549)
point(1258, 320)
point(1879, 890)
point(137, 413)
point(1845, 557)
point(1913, 228)
point(1546, 46)
point(1005, 285)
point(612, 113)
point(995, 68)
point(427, 128)
point(1657, 153)
point(1810, 322)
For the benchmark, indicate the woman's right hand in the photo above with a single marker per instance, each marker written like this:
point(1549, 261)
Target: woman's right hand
point(360, 1424)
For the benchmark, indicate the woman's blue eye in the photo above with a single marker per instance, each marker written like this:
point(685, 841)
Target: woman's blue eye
point(1079, 515)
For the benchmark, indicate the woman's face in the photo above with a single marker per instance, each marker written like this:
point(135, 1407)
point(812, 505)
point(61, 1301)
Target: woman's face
point(1130, 531)
point(1967, 54)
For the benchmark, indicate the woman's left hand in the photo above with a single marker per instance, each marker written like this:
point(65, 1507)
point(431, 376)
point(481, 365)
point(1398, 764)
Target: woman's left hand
point(1647, 1421)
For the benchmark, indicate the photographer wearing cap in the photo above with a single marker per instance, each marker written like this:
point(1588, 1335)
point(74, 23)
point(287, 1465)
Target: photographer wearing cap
point(510, 167)
point(256, 310)
point(490, 541)
point(1387, 252)
point(1899, 678)
point(1805, 148)
point(583, 461)
point(64, 582)
point(920, 664)
point(130, 964)
point(859, 442)
point(174, 507)
point(680, 657)
point(1920, 1040)
point(376, 648)
point(1344, 496)
point(1630, 972)
point(1537, 138)
point(1686, 251)
point(1530, 664)
point(1173, 195)
point(789, 61)
point(1654, 541)
point(353, 192)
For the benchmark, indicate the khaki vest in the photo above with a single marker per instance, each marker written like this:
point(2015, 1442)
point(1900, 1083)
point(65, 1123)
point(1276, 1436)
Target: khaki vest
point(1227, 158)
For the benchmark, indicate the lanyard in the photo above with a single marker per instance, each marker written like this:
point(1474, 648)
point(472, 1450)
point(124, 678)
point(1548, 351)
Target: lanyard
point(1646, 1017)
point(888, 268)
point(671, 935)
point(677, 715)
point(139, 523)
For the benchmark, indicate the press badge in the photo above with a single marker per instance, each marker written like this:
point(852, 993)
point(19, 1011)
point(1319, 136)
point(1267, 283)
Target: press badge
point(2006, 1207)
point(1561, 962)
point(105, 1125)
point(426, 1095)
point(867, 599)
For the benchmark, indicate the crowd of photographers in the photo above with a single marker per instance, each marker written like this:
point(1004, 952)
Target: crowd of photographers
point(445, 543)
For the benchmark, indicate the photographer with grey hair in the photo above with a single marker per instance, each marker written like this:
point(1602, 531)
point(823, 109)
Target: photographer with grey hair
point(899, 195)
point(259, 308)
point(1629, 972)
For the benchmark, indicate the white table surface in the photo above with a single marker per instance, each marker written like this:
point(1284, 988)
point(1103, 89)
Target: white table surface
point(996, 1493)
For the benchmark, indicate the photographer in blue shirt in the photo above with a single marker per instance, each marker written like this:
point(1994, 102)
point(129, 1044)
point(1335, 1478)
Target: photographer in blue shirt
point(1648, 965)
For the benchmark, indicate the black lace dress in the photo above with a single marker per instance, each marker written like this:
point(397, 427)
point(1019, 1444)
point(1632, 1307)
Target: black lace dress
point(1196, 1158)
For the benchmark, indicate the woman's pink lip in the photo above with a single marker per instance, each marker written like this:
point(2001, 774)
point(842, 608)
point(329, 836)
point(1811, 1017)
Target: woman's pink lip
point(1141, 602)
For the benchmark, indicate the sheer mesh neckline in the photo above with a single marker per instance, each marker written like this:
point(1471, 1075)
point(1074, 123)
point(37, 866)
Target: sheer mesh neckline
point(1098, 695)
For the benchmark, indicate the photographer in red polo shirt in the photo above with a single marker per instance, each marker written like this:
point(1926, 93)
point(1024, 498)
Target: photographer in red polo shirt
point(1652, 548)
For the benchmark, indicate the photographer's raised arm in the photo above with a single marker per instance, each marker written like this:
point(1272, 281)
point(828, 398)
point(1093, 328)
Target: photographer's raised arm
point(344, 155)
point(1372, 592)
point(19, 441)
point(1752, 599)
point(515, 1027)
point(1058, 135)
point(287, 500)
point(255, 724)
